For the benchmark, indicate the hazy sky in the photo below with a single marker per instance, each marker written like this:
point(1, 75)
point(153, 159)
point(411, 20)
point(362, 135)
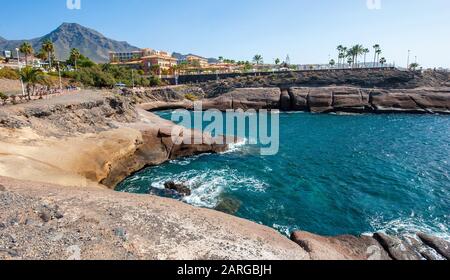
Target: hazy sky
point(307, 30)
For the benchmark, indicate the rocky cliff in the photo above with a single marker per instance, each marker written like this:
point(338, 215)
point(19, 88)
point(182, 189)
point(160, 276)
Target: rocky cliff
point(324, 100)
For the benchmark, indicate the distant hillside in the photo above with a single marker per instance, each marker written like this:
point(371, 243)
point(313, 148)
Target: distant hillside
point(180, 56)
point(71, 35)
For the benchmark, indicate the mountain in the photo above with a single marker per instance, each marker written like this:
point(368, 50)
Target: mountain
point(71, 35)
point(180, 56)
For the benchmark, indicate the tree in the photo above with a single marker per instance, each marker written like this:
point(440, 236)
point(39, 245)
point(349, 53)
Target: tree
point(74, 56)
point(220, 58)
point(27, 50)
point(413, 66)
point(48, 47)
point(365, 51)
point(258, 59)
point(377, 52)
point(350, 61)
point(355, 51)
point(31, 77)
point(340, 50)
point(277, 61)
point(332, 62)
point(382, 61)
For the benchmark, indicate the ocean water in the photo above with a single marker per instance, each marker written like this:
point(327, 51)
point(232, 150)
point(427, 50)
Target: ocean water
point(333, 175)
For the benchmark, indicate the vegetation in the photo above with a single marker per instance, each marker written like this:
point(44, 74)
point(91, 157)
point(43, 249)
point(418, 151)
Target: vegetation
point(3, 97)
point(49, 48)
point(27, 50)
point(258, 59)
point(353, 53)
point(9, 73)
point(413, 66)
point(74, 56)
point(31, 77)
point(191, 97)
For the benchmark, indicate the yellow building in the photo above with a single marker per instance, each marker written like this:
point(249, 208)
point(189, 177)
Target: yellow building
point(194, 60)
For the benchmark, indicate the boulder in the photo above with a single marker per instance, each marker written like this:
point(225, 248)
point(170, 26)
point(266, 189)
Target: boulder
point(228, 205)
point(438, 244)
point(179, 188)
point(398, 249)
point(299, 99)
point(345, 247)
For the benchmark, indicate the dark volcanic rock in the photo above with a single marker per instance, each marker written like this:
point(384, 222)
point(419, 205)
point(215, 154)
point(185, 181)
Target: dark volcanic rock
point(440, 245)
point(398, 249)
point(179, 188)
point(228, 205)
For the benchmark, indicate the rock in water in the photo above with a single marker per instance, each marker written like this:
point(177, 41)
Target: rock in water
point(179, 188)
point(397, 249)
point(228, 205)
point(440, 245)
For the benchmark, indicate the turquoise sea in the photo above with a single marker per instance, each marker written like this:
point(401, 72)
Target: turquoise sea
point(333, 175)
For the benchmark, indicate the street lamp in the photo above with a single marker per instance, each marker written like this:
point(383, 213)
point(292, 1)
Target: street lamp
point(20, 68)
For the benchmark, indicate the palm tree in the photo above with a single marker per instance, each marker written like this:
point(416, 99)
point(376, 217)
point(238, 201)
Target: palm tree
point(340, 50)
point(27, 50)
point(277, 61)
point(74, 56)
point(258, 59)
point(365, 51)
point(376, 47)
point(31, 77)
point(378, 52)
point(382, 61)
point(356, 50)
point(48, 47)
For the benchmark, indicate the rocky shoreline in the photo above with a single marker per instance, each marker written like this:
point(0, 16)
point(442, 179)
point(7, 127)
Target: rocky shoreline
point(58, 158)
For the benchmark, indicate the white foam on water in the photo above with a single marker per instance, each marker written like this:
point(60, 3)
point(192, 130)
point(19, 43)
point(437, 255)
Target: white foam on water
point(410, 226)
point(207, 186)
point(234, 147)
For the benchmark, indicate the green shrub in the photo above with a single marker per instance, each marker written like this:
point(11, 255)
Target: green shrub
point(191, 97)
point(3, 97)
point(155, 81)
point(9, 73)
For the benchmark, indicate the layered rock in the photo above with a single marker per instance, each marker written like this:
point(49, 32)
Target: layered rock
point(378, 246)
point(89, 138)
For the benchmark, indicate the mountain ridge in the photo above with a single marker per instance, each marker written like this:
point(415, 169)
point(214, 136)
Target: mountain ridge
point(90, 42)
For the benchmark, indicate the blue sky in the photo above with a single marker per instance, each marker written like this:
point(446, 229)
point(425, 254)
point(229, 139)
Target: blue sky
point(307, 30)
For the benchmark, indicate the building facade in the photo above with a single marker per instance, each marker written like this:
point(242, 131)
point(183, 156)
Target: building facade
point(149, 60)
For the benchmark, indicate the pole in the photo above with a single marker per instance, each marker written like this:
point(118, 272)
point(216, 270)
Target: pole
point(409, 53)
point(60, 81)
point(20, 68)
